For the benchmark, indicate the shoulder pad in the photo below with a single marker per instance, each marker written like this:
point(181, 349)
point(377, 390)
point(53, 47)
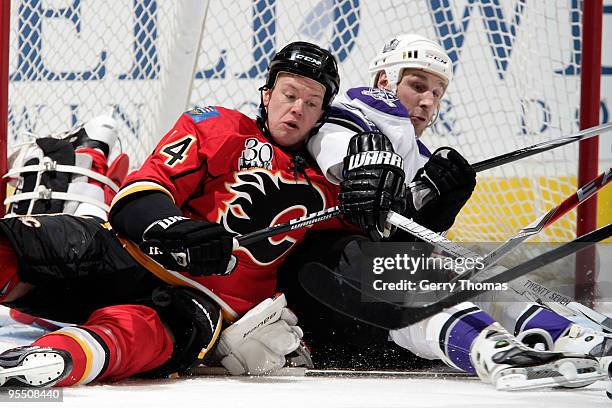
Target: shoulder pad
point(379, 99)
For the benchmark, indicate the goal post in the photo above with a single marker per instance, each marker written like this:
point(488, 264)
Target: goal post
point(5, 12)
point(590, 85)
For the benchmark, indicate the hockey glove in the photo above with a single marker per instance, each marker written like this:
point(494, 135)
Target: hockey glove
point(440, 189)
point(373, 183)
point(183, 244)
point(258, 343)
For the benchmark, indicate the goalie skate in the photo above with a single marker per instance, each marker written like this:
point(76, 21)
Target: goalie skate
point(33, 366)
point(500, 359)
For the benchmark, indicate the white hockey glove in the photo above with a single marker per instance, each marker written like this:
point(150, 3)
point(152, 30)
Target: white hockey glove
point(258, 343)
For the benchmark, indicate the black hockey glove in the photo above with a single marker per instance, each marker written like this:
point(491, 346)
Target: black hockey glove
point(373, 183)
point(440, 189)
point(183, 244)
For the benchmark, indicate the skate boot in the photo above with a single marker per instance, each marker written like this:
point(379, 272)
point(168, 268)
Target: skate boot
point(502, 360)
point(579, 339)
point(33, 366)
point(576, 339)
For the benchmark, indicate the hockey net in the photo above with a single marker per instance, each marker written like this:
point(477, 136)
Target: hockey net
point(144, 61)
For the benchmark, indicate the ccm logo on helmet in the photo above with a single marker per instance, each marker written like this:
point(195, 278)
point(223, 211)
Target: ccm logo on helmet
point(307, 58)
point(437, 58)
point(375, 157)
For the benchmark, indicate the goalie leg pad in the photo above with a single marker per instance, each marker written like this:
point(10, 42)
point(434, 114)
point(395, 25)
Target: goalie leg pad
point(54, 247)
point(70, 261)
point(195, 322)
point(57, 150)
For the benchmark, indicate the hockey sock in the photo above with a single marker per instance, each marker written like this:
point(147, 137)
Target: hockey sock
point(115, 343)
point(538, 317)
point(67, 343)
point(135, 338)
point(462, 326)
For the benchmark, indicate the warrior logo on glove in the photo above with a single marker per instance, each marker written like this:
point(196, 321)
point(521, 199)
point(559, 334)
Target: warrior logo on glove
point(373, 183)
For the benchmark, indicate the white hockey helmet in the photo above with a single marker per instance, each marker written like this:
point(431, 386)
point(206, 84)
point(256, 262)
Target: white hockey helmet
point(411, 51)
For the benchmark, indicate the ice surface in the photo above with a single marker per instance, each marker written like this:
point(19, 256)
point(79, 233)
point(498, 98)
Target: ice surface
point(294, 392)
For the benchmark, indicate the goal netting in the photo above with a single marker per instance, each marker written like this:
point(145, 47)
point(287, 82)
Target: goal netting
point(516, 77)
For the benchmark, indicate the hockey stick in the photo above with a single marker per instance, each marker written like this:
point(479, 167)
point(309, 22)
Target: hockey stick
point(478, 167)
point(337, 292)
point(295, 223)
point(582, 194)
point(523, 287)
point(458, 251)
point(541, 147)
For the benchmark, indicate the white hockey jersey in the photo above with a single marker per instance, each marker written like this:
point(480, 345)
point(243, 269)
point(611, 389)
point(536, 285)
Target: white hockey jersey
point(363, 109)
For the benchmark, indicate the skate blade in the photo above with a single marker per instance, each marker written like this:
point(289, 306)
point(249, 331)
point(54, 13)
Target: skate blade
point(566, 372)
point(37, 369)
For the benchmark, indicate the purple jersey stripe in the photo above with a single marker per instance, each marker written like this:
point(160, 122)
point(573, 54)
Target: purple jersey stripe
point(423, 150)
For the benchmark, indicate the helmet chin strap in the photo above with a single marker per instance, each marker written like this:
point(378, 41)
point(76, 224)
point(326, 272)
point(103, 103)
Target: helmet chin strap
point(433, 119)
point(262, 118)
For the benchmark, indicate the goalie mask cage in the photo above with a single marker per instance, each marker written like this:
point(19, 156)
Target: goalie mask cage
point(516, 77)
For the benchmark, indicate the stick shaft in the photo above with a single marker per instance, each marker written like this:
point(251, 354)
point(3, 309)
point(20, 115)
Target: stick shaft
point(541, 147)
point(478, 167)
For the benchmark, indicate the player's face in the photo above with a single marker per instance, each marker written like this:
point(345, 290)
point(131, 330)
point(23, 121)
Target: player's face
point(294, 106)
point(420, 92)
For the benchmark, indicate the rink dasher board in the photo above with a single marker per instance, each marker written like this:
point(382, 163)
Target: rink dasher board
point(307, 372)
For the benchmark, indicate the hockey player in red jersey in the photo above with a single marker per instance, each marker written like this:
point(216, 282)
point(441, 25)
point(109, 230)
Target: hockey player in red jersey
point(218, 174)
point(215, 175)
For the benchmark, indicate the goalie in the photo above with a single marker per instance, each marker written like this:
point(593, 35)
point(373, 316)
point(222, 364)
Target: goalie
point(409, 78)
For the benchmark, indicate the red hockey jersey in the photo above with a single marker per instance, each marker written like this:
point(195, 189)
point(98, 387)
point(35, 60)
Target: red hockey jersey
point(218, 166)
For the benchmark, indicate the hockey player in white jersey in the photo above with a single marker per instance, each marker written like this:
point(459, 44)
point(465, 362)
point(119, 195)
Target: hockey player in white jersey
point(409, 78)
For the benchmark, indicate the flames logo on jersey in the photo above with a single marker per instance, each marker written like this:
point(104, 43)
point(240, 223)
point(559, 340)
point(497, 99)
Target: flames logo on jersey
point(262, 199)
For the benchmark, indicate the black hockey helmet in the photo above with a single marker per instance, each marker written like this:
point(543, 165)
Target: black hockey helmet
point(307, 60)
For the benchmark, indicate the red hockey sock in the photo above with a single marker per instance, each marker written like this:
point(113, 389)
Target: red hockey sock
point(67, 343)
point(135, 337)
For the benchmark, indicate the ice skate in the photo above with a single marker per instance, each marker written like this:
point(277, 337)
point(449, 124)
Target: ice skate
point(579, 339)
point(576, 339)
point(502, 360)
point(33, 366)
